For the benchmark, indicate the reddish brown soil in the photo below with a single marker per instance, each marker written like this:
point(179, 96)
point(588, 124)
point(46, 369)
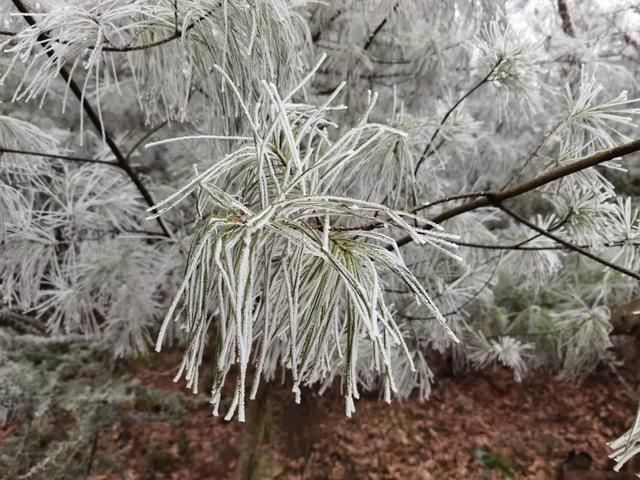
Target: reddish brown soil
point(526, 430)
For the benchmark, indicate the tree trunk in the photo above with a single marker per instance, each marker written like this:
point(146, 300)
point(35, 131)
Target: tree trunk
point(250, 460)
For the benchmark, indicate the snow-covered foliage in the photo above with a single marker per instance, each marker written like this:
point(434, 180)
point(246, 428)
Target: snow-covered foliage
point(48, 378)
point(332, 189)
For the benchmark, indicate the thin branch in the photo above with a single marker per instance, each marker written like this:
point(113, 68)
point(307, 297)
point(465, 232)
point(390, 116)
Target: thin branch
point(92, 454)
point(516, 173)
point(482, 288)
point(461, 307)
point(316, 36)
point(567, 25)
point(462, 243)
point(379, 224)
point(498, 257)
point(519, 189)
point(177, 33)
point(58, 157)
point(44, 40)
point(482, 198)
point(450, 198)
point(101, 235)
point(546, 333)
point(567, 244)
point(366, 46)
point(144, 138)
point(484, 80)
point(380, 26)
point(519, 245)
point(21, 323)
point(175, 17)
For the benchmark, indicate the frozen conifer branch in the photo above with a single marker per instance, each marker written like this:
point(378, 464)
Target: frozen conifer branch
point(166, 60)
point(305, 219)
point(627, 446)
point(94, 117)
point(262, 270)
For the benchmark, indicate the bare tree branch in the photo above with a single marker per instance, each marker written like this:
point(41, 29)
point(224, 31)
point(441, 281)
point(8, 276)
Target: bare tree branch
point(315, 38)
point(58, 157)
point(380, 26)
point(567, 244)
point(517, 247)
point(487, 199)
point(144, 138)
point(429, 146)
point(567, 25)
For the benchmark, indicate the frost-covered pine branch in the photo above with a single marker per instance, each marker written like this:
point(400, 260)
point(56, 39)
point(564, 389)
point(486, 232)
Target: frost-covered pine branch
point(335, 220)
point(266, 265)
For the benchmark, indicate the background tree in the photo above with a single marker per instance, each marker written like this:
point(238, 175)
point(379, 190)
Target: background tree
point(334, 190)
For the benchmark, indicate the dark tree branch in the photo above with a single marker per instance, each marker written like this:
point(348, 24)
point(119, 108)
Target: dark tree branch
point(108, 235)
point(21, 323)
point(176, 25)
point(58, 157)
point(482, 199)
point(516, 173)
point(380, 26)
point(567, 244)
point(366, 46)
point(144, 138)
point(485, 79)
point(517, 247)
point(488, 198)
point(465, 303)
point(450, 198)
point(629, 40)
point(92, 454)
point(44, 40)
point(486, 284)
point(526, 334)
point(146, 46)
point(315, 38)
point(567, 25)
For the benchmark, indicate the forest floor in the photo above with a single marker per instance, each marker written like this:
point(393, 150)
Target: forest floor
point(479, 425)
point(475, 426)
